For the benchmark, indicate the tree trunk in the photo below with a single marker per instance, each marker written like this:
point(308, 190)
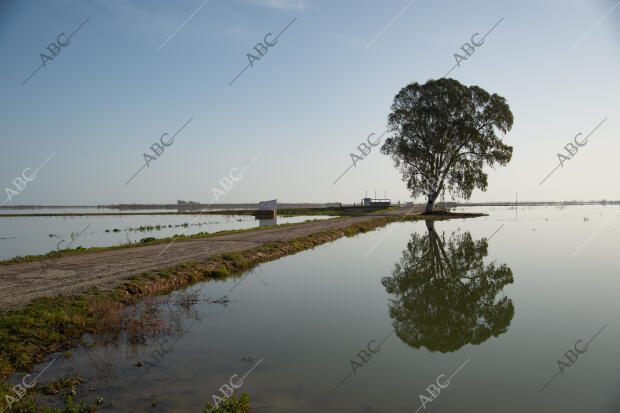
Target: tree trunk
point(429, 207)
point(432, 196)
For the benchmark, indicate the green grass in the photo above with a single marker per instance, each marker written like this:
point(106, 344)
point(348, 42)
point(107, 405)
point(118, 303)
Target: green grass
point(45, 326)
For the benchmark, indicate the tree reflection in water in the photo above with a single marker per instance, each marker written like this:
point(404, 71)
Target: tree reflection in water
point(443, 296)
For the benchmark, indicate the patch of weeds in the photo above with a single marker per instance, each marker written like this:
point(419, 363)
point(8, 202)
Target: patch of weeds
point(349, 232)
point(219, 272)
point(237, 260)
point(47, 325)
point(29, 405)
point(230, 405)
point(70, 383)
point(164, 274)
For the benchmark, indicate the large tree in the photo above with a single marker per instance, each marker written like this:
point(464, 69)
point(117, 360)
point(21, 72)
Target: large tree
point(443, 133)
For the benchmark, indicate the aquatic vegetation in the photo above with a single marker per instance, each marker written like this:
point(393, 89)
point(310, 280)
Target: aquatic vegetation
point(186, 298)
point(230, 405)
point(159, 227)
point(142, 322)
point(30, 406)
point(65, 387)
point(71, 383)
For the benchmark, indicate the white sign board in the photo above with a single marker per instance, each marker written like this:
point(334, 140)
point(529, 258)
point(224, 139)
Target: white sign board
point(268, 205)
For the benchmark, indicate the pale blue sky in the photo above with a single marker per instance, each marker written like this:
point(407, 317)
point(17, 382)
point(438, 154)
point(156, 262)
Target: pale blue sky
point(305, 106)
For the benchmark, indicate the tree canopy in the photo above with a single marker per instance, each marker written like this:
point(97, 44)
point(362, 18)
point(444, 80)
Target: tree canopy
point(443, 296)
point(443, 133)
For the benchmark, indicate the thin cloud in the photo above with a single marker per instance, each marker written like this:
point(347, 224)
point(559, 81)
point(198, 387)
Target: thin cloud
point(280, 4)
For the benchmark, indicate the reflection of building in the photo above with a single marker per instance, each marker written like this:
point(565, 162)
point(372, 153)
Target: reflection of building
point(267, 222)
point(375, 203)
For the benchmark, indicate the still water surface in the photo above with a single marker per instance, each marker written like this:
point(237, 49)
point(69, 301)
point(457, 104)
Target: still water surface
point(499, 300)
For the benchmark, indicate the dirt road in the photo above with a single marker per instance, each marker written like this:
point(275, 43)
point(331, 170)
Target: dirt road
point(23, 282)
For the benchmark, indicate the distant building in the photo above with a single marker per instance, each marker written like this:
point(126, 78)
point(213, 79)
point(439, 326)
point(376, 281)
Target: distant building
point(375, 203)
point(180, 202)
point(268, 205)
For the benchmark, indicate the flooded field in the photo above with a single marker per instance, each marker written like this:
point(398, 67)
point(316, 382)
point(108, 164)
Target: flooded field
point(512, 312)
point(21, 236)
